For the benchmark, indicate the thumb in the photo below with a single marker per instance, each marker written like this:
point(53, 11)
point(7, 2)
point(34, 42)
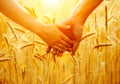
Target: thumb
point(75, 47)
point(63, 26)
point(66, 29)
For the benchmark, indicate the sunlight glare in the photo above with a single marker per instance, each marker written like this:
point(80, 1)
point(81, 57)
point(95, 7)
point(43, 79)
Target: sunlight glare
point(51, 3)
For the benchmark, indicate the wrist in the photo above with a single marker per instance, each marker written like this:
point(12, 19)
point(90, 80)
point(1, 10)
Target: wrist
point(77, 19)
point(38, 28)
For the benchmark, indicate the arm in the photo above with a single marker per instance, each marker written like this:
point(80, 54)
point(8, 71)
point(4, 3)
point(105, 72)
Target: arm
point(76, 20)
point(15, 12)
point(78, 17)
point(84, 9)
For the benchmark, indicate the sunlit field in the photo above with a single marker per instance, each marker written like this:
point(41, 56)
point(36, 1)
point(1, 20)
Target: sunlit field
point(23, 59)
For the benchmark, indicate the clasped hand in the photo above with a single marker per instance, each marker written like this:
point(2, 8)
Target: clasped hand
point(73, 29)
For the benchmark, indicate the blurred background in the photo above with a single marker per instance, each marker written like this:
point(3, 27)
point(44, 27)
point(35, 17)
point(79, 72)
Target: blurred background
point(23, 59)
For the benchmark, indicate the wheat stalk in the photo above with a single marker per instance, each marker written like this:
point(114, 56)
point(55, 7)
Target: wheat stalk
point(12, 30)
point(4, 59)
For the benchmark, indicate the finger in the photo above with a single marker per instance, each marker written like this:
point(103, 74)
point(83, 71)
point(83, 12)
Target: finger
point(48, 49)
point(60, 47)
point(54, 58)
point(75, 46)
point(60, 53)
point(54, 52)
point(65, 44)
point(63, 48)
point(67, 40)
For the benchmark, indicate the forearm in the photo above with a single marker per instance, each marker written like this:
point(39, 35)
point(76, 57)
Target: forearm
point(84, 9)
point(14, 11)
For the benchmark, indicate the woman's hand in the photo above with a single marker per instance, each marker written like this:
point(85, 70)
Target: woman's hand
point(51, 34)
point(75, 32)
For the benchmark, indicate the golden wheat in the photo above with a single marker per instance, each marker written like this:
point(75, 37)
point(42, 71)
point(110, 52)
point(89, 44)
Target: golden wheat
point(23, 57)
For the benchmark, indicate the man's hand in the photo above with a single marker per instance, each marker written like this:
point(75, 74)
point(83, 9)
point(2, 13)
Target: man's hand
point(76, 21)
point(74, 33)
point(73, 29)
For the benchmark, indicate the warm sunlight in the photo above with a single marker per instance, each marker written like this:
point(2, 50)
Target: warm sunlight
point(23, 56)
point(51, 3)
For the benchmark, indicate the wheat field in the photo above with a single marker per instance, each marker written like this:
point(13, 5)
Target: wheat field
point(23, 59)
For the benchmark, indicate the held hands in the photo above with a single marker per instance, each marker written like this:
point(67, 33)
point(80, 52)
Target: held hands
point(76, 21)
point(72, 28)
point(51, 34)
point(75, 32)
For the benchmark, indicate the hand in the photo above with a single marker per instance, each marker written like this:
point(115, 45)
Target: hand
point(74, 33)
point(76, 20)
point(54, 37)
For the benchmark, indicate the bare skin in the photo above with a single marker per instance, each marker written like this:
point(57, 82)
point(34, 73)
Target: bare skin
point(15, 12)
point(76, 20)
